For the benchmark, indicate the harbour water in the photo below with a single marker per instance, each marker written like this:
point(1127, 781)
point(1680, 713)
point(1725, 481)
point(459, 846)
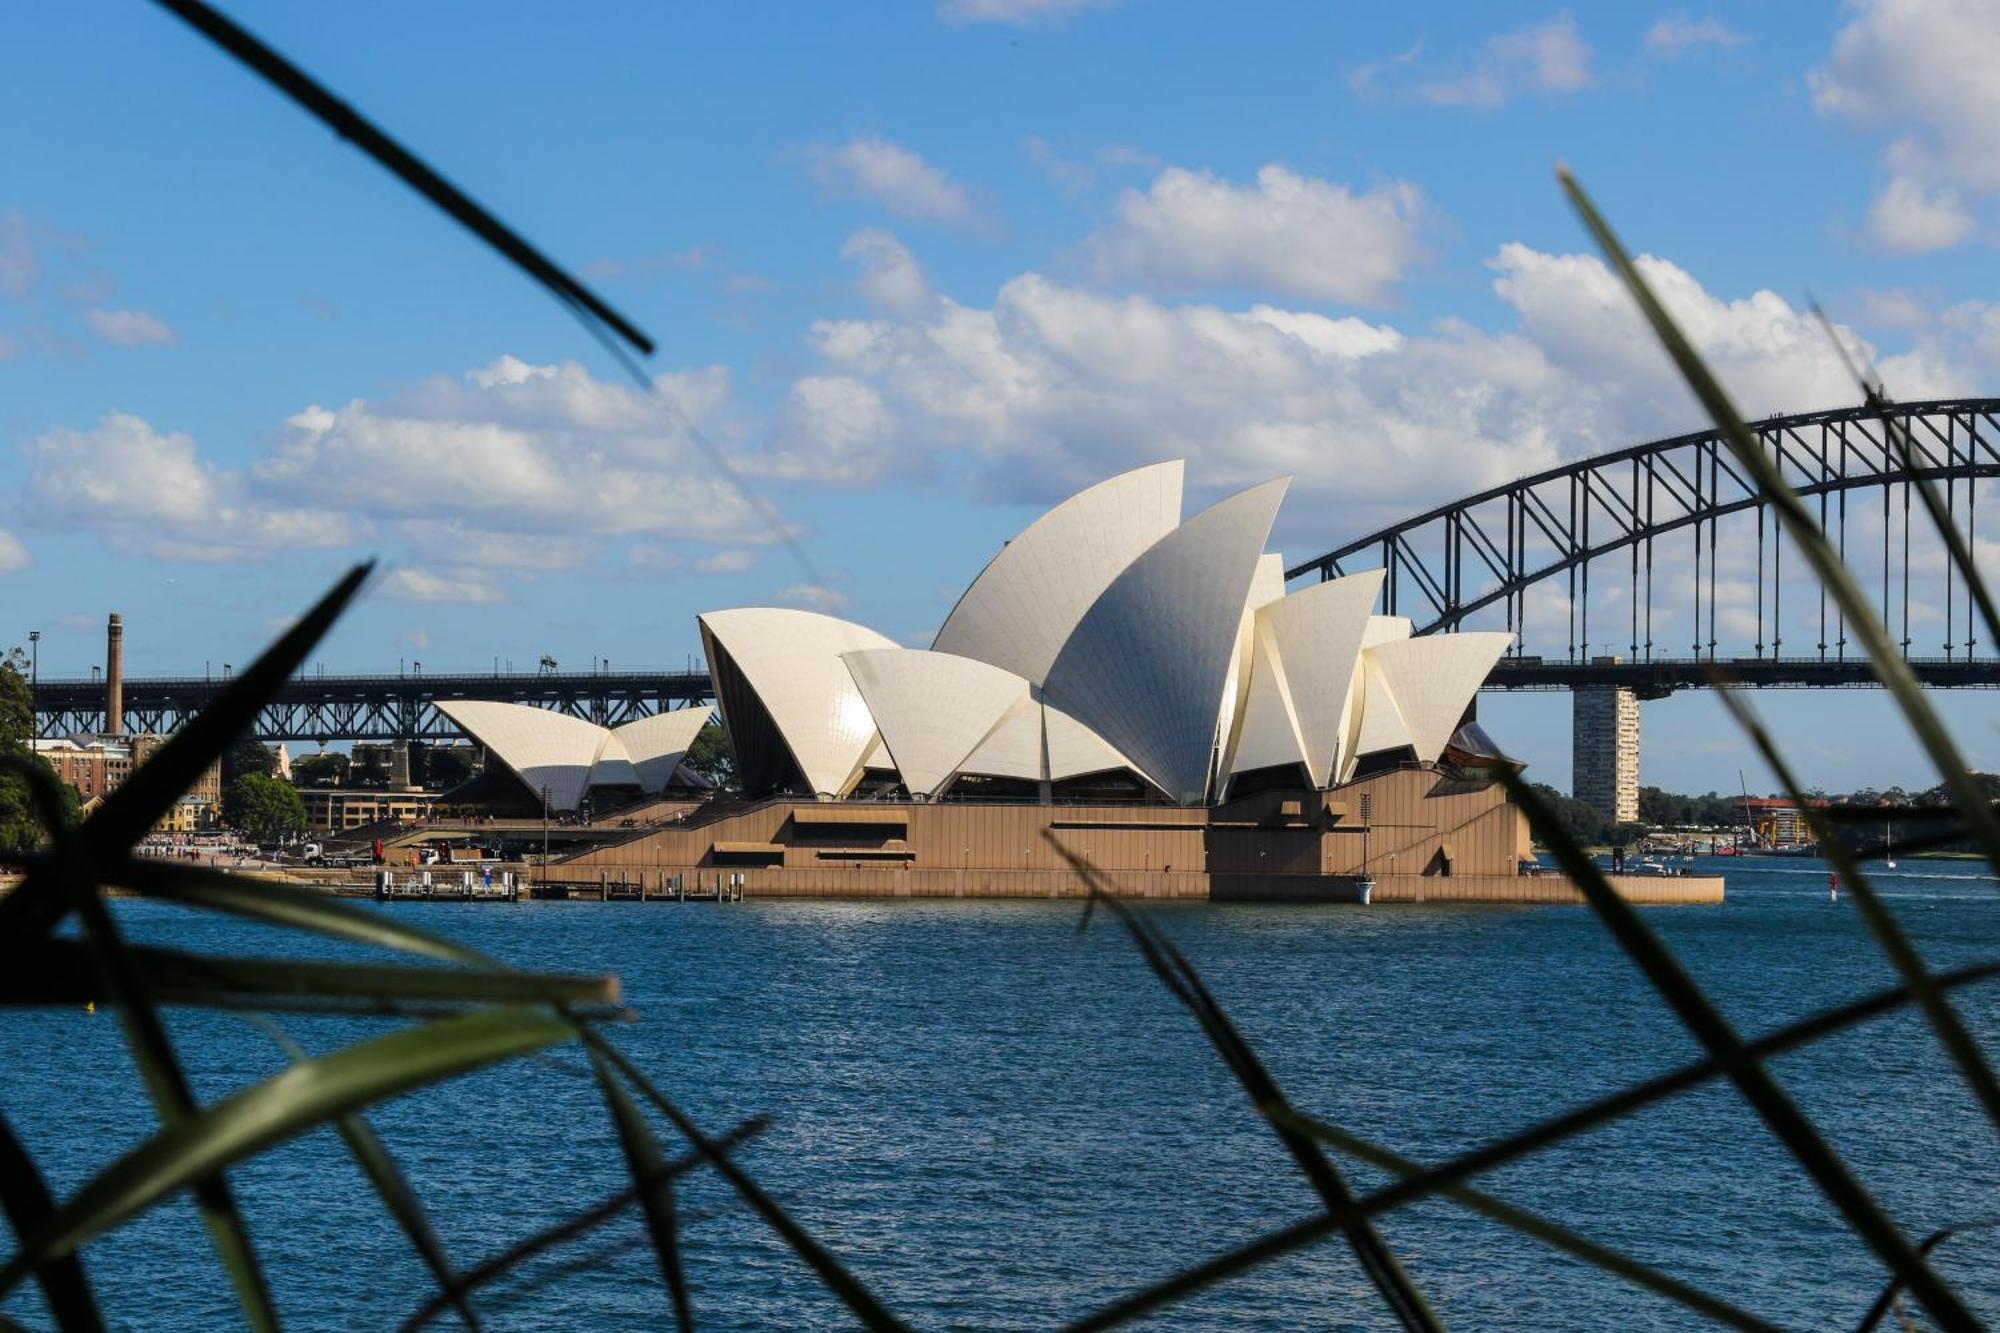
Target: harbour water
point(1000, 1123)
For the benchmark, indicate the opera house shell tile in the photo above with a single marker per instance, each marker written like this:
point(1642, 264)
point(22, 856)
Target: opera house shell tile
point(1109, 642)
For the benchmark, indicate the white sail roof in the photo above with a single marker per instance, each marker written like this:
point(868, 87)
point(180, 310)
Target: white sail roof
point(933, 708)
point(791, 659)
point(1317, 633)
point(1026, 603)
point(1013, 749)
point(1075, 749)
point(550, 751)
point(1266, 585)
point(1384, 629)
point(1386, 731)
point(1434, 678)
point(1376, 723)
point(1268, 734)
point(654, 745)
point(1148, 662)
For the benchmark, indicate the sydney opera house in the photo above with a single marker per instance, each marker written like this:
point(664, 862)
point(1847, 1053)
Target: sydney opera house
point(1139, 688)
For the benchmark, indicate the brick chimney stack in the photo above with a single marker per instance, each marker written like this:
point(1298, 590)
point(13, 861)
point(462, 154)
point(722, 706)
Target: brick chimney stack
point(114, 676)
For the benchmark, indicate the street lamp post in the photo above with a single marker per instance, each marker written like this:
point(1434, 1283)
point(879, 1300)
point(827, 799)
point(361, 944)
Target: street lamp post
point(34, 683)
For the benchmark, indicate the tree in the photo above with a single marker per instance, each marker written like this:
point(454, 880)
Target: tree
point(263, 807)
point(373, 771)
point(21, 823)
point(445, 767)
point(247, 754)
point(1628, 835)
point(1578, 819)
point(711, 756)
point(1663, 809)
point(320, 770)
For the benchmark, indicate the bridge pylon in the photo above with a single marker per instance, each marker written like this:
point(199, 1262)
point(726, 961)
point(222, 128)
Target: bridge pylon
point(1604, 748)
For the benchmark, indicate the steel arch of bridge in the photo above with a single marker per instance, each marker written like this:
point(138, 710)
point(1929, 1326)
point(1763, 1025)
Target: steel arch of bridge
point(1489, 549)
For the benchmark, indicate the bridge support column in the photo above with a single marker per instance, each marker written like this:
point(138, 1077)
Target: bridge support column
point(1604, 749)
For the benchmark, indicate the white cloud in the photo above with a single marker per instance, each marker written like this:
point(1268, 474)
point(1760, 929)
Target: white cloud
point(1287, 233)
point(512, 466)
point(408, 583)
point(453, 541)
point(1922, 70)
point(1549, 58)
point(1054, 386)
point(832, 428)
point(736, 560)
point(890, 277)
point(13, 555)
point(154, 493)
point(1896, 308)
point(122, 470)
point(1080, 173)
point(1677, 34)
point(891, 175)
point(19, 264)
point(1910, 219)
point(814, 597)
point(654, 560)
point(129, 328)
point(513, 448)
point(1012, 11)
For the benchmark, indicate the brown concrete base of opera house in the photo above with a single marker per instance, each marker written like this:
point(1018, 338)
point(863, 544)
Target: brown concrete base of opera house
point(1412, 834)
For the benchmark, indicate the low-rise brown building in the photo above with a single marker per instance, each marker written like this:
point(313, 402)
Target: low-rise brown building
point(97, 765)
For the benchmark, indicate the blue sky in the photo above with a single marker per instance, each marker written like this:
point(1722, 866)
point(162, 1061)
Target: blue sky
point(922, 270)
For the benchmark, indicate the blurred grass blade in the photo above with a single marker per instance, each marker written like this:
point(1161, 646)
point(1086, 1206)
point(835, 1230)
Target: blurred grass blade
point(138, 803)
point(273, 903)
point(1521, 1143)
point(1552, 1234)
point(160, 1068)
point(1179, 976)
point(369, 1153)
point(281, 1107)
point(343, 120)
point(860, 1302)
point(1759, 1088)
point(1881, 922)
point(60, 972)
point(582, 1224)
point(1887, 1299)
point(655, 1187)
point(1884, 657)
point(25, 1198)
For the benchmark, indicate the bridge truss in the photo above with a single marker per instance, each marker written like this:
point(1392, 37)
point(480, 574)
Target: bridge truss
point(349, 708)
point(1599, 531)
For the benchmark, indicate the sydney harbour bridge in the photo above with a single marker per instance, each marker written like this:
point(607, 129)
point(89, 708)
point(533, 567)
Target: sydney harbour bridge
point(1651, 569)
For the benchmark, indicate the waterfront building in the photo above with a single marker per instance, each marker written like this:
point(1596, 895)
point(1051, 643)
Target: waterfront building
point(340, 809)
point(1117, 682)
point(1774, 821)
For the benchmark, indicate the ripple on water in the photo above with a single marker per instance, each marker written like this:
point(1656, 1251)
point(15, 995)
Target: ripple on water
point(999, 1122)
